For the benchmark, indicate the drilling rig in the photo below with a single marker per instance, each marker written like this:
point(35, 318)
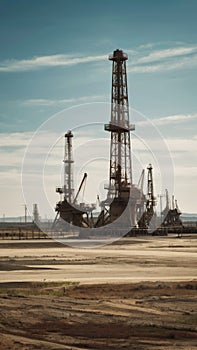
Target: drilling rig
point(123, 196)
point(126, 207)
point(146, 219)
point(36, 217)
point(68, 210)
point(171, 214)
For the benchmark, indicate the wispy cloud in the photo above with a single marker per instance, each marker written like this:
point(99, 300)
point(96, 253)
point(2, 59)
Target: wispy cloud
point(17, 139)
point(172, 58)
point(144, 59)
point(183, 145)
point(177, 118)
point(62, 102)
point(167, 53)
point(168, 65)
point(46, 61)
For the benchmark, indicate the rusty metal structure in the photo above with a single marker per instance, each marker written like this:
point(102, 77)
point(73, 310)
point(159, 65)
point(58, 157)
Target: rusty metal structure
point(149, 213)
point(119, 127)
point(171, 214)
point(123, 195)
point(125, 205)
point(68, 210)
point(68, 188)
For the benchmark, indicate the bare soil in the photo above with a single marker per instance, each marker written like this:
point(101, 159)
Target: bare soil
point(72, 314)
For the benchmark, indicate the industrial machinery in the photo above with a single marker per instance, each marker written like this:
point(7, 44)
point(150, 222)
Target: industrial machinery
point(146, 218)
point(126, 205)
point(36, 217)
point(123, 196)
point(68, 210)
point(171, 215)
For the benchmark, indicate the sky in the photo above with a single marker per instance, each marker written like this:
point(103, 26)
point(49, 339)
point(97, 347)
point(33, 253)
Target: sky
point(54, 58)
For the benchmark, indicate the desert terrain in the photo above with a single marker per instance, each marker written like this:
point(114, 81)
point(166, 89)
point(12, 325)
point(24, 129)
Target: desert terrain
point(135, 293)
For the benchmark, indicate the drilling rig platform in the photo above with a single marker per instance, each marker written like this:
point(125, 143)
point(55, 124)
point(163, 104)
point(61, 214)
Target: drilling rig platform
point(125, 205)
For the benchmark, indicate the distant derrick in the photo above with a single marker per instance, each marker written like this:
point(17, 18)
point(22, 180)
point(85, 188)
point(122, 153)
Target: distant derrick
point(171, 216)
point(149, 213)
point(68, 189)
point(68, 210)
point(36, 216)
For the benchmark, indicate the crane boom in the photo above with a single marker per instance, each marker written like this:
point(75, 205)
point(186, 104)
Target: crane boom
point(141, 181)
point(81, 184)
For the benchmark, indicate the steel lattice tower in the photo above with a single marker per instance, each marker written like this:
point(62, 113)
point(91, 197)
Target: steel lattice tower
point(119, 126)
point(68, 171)
point(150, 192)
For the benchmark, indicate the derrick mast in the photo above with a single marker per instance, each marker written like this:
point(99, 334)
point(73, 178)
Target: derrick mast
point(167, 200)
point(68, 210)
point(171, 216)
point(150, 192)
point(167, 207)
point(36, 217)
point(145, 220)
point(122, 195)
point(120, 153)
point(68, 188)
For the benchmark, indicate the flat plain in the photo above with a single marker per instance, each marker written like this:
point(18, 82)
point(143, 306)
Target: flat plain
point(135, 293)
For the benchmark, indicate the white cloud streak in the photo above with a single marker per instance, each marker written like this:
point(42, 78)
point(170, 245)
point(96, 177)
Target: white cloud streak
point(62, 102)
point(17, 142)
point(177, 118)
point(18, 139)
point(165, 60)
point(46, 61)
point(143, 60)
point(167, 53)
point(181, 63)
point(183, 145)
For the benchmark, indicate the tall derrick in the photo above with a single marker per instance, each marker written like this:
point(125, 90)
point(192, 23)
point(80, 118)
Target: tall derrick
point(121, 191)
point(120, 154)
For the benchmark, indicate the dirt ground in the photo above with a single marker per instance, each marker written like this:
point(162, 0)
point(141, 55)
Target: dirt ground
point(134, 294)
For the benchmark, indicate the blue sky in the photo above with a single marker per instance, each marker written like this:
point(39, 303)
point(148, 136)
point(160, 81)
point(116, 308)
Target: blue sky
point(54, 55)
